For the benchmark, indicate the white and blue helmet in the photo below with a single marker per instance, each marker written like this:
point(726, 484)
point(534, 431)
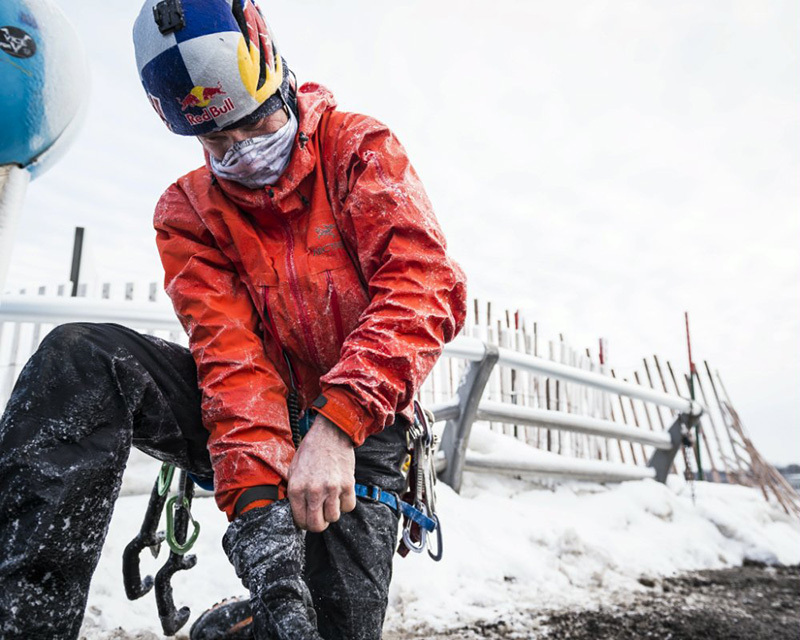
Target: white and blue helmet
point(209, 65)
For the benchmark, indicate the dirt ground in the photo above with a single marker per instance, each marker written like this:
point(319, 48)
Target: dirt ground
point(753, 602)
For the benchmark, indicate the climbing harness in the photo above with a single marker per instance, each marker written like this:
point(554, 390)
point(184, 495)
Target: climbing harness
point(417, 507)
point(179, 516)
point(397, 505)
point(421, 495)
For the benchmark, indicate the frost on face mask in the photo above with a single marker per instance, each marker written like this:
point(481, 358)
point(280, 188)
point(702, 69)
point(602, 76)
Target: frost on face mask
point(260, 161)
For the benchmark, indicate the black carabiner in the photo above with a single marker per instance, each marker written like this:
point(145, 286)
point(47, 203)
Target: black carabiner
point(439, 543)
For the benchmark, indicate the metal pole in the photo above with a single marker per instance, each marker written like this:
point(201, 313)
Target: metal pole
point(662, 460)
point(457, 431)
point(77, 251)
point(691, 393)
point(13, 184)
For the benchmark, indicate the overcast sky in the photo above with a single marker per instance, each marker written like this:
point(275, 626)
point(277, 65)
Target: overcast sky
point(604, 166)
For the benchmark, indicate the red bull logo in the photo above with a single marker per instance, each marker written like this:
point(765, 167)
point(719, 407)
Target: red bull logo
point(200, 97)
point(209, 113)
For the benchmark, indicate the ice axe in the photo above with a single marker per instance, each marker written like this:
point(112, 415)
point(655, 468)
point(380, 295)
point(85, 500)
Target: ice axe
point(179, 516)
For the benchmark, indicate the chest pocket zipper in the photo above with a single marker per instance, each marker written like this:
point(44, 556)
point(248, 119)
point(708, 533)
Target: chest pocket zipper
point(335, 310)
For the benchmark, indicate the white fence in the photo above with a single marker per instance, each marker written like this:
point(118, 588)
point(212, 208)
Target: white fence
point(592, 423)
point(499, 399)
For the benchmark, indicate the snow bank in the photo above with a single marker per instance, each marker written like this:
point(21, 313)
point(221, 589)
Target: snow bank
point(510, 546)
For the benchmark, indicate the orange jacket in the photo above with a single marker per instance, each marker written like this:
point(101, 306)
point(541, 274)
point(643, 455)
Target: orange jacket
point(264, 280)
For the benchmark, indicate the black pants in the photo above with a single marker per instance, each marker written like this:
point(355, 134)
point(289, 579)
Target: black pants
point(88, 394)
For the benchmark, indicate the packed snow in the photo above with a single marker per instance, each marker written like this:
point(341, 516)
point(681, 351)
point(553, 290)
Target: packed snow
point(511, 545)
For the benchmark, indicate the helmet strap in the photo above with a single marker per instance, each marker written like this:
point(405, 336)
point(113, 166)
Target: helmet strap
point(290, 100)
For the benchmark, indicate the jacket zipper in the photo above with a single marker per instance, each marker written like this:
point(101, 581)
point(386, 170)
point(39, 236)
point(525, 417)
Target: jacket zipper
point(337, 314)
point(294, 285)
point(294, 381)
point(293, 397)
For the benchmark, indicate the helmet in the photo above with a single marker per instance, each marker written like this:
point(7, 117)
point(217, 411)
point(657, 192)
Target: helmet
point(209, 65)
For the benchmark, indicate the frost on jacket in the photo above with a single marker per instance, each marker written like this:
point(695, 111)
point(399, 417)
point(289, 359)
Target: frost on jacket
point(341, 268)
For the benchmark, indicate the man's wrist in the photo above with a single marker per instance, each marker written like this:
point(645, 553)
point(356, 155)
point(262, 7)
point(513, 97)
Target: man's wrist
point(329, 426)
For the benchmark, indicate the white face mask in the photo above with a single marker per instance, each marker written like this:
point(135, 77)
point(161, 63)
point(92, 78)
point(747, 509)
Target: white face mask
point(260, 161)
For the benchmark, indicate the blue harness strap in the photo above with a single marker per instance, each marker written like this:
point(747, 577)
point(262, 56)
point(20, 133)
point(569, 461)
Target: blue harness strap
point(391, 501)
point(362, 491)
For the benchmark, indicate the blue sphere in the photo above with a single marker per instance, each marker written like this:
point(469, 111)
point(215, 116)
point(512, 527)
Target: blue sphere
point(45, 82)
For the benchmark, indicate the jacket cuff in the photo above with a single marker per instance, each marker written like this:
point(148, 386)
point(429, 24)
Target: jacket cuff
point(340, 406)
point(227, 498)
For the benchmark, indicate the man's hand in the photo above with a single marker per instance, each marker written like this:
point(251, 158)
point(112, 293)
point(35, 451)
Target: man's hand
point(322, 477)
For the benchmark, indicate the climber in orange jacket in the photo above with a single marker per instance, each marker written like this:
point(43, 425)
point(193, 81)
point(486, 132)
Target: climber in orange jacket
point(307, 267)
point(305, 263)
point(334, 281)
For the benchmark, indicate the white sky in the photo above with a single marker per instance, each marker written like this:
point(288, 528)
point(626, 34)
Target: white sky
point(605, 166)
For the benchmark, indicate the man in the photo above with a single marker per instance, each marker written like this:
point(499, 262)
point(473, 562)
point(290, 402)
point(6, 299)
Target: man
point(310, 274)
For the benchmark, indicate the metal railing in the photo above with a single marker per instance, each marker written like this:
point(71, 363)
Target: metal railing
point(469, 407)
point(459, 414)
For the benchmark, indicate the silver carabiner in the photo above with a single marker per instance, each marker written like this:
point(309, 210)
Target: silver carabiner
point(423, 534)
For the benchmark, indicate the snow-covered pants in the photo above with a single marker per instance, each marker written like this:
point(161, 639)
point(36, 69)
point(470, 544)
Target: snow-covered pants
point(87, 395)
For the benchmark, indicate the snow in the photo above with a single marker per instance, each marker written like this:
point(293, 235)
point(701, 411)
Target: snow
point(511, 545)
point(603, 124)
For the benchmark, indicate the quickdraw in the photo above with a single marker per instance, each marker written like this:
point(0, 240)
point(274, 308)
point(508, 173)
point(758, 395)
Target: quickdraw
point(421, 497)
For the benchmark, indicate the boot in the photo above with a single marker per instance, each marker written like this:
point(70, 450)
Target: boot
point(267, 551)
point(230, 619)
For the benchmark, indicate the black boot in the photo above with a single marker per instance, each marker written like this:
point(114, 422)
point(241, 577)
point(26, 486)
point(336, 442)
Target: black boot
point(267, 551)
point(230, 619)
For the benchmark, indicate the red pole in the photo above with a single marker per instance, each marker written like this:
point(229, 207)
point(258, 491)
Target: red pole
point(692, 369)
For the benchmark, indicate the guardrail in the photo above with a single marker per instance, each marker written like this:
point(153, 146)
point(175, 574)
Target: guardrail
point(468, 405)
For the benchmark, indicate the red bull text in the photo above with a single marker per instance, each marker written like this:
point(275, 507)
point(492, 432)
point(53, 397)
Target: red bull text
point(210, 113)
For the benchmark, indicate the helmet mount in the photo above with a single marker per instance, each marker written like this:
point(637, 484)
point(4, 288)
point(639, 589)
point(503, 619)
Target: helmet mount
point(168, 15)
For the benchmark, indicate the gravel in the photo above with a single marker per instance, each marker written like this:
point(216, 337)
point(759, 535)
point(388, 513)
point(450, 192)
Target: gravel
point(752, 602)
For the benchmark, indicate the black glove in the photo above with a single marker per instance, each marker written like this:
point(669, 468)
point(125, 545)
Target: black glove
point(267, 550)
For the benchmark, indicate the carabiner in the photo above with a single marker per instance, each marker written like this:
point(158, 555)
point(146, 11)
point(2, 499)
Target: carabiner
point(439, 544)
point(423, 534)
point(177, 547)
point(165, 478)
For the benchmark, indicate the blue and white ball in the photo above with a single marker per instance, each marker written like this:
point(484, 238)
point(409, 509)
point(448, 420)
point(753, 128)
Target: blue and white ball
point(45, 81)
